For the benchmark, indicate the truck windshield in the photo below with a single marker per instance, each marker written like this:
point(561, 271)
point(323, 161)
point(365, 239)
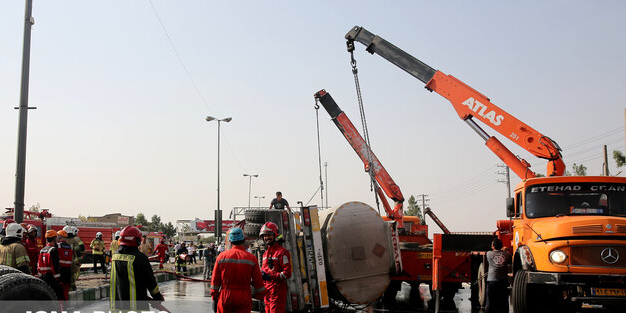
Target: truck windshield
point(575, 199)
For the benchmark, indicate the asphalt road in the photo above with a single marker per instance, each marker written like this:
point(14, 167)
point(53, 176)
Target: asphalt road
point(190, 296)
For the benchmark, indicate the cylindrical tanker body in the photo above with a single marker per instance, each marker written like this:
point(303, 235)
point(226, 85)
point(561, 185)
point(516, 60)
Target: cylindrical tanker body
point(358, 252)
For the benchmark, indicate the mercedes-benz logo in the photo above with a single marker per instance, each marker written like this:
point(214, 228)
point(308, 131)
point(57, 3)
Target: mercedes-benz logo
point(609, 255)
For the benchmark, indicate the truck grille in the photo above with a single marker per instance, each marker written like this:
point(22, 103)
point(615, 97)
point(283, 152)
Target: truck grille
point(595, 229)
point(620, 229)
point(593, 256)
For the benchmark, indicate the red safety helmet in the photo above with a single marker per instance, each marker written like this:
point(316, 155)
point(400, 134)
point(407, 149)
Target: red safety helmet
point(269, 228)
point(31, 228)
point(130, 236)
point(8, 221)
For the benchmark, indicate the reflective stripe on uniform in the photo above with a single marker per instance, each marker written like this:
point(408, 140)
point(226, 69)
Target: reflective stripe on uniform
point(129, 259)
point(239, 261)
point(45, 268)
point(65, 262)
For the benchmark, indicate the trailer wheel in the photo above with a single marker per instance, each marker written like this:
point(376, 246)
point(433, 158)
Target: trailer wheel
point(4, 269)
point(255, 216)
point(19, 286)
point(252, 229)
point(482, 285)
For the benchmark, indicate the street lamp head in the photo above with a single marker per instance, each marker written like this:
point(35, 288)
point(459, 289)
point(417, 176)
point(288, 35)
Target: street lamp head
point(228, 119)
point(209, 118)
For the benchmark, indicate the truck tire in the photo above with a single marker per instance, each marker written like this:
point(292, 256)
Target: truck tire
point(255, 216)
point(252, 229)
point(19, 286)
point(522, 295)
point(4, 269)
point(482, 285)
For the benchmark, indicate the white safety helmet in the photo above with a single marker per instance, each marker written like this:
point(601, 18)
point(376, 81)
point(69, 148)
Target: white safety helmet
point(15, 230)
point(68, 229)
point(75, 230)
point(98, 234)
point(117, 234)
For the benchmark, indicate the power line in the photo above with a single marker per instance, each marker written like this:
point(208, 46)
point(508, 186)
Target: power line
point(180, 60)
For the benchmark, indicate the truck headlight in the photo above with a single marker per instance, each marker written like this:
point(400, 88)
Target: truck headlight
point(558, 256)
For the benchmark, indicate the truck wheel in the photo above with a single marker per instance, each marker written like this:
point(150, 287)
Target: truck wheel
point(255, 216)
point(4, 269)
point(523, 296)
point(482, 285)
point(252, 229)
point(19, 286)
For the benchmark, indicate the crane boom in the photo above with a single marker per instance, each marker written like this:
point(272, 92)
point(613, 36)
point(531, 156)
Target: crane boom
point(365, 153)
point(468, 104)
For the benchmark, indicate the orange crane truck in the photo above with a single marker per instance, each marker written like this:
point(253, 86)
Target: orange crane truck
point(567, 234)
point(416, 251)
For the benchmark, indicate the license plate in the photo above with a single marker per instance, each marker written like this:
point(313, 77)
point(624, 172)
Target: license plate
point(608, 292)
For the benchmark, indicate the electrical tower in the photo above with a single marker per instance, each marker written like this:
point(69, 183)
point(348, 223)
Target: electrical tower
point(506, 179)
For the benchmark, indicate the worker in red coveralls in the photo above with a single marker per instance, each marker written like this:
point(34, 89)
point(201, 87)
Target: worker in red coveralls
point(276, 269)
point(30, 242)
point(66, 260)
point(161, 249)
point(233, 271)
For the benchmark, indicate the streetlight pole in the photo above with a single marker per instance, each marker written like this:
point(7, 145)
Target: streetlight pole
point(250, 186)
point(259, 200)
point(218, 215)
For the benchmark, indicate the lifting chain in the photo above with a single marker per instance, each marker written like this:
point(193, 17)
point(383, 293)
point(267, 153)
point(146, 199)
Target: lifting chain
point(366, 136)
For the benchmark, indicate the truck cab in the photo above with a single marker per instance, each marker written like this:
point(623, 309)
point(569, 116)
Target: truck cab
point(568, 238)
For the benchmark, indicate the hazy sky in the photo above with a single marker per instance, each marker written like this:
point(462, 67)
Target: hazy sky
point(122, 89)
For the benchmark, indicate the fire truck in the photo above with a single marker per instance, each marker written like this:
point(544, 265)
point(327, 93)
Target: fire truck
point(87, 231)
point(566, 234)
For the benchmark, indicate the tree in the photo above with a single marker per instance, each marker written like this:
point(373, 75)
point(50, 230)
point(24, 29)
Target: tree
point(619, 158)
point(168, 229)
point(141, 220)
point(155, 223)
point(413, 209)
point(579, 170)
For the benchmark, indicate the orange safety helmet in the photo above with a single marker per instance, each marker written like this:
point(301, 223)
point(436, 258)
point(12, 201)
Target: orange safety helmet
point(62, 233)
point(51, 233)
point(269, 228)
point(130, 236)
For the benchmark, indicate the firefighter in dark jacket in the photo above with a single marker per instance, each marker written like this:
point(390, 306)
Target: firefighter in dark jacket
point(12, 252)
point(132, 275)
point(48, 264)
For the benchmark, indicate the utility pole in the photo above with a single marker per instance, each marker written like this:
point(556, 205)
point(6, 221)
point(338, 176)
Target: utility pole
point(424, 200)
point(605, 168)
point(507, 178)
point(20, 174)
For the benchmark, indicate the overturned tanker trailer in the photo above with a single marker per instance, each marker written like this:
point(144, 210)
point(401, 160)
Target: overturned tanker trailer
point(343, 256)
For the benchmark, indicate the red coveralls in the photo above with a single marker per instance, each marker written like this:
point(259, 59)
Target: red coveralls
point(31, 248)
point(277, 264)
point(161, 250)
point(230, 285)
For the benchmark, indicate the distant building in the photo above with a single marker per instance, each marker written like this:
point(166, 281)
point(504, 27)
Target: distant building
point(118, 218)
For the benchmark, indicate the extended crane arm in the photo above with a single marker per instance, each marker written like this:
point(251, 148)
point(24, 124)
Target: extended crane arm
point(429, 212)
point(470, 103)
point(364, 152)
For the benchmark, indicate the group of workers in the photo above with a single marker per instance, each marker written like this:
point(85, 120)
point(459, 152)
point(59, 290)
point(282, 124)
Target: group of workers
point(57, 263)
point(132, 277)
